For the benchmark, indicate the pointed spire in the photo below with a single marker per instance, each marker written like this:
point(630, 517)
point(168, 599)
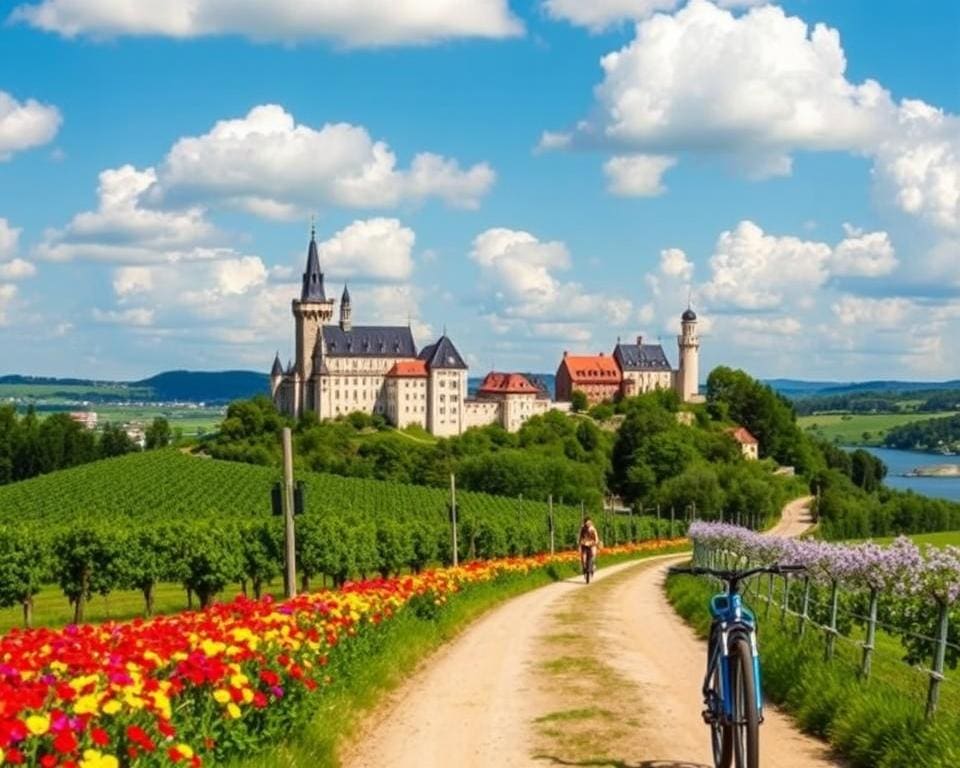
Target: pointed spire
point(313, 277)
point(277, 369)
point(345, 298)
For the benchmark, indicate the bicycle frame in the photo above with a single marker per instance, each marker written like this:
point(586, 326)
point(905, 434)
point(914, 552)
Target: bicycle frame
point(731, 618)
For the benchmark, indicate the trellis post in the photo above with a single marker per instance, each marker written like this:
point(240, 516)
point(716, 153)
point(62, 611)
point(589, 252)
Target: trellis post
point(832, 629)
point(805, 610)
point(939, 656)
point(785, 606)
point(869, 645)
point(453, 518)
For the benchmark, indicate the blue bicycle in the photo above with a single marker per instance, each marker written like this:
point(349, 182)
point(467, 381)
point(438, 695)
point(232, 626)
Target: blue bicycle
point(732, 694)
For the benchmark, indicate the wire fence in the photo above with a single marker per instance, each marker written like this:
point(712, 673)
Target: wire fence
point(871, 647)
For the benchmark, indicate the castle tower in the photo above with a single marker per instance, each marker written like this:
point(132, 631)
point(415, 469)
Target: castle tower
point(345, 323)
point(311, 311)
point(276, 376)
point(688, 376)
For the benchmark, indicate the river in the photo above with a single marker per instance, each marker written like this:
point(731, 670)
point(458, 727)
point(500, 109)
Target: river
point(900, 462)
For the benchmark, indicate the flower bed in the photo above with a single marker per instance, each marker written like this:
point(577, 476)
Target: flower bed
point(200, 686)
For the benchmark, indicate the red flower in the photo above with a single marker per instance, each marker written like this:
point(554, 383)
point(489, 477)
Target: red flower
point(65, 742)
point(141, 738)
point(48, 761)
point(100, 737)
point(14, 756)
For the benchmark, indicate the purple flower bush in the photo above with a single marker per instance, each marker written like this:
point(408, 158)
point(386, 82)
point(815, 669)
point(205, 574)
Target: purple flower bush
point(901, 569)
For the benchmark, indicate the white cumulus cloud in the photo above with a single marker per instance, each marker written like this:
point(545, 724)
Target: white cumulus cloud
point(137, 316)
point(24, 125)
point(378, 249)
point(518, 273)
point(11, 267)
point(270, 165)
point(597, 15)
point(637, 175)
point(123, 229)
point(357, 23)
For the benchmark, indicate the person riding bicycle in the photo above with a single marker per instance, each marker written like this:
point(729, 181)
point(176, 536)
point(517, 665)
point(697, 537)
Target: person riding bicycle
point(589, 542)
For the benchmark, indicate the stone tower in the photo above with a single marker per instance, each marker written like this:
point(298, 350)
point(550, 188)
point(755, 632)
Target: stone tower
point(688, 376)
point(276, 376)
point(311, 311)
point(345, 322)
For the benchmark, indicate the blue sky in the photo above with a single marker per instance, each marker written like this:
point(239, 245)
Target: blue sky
point(533, 176)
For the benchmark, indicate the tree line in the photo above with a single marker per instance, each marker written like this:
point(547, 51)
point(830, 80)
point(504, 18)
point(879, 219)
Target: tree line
point(31, 446)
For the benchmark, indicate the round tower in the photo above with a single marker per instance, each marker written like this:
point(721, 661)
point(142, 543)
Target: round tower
point(688, 377)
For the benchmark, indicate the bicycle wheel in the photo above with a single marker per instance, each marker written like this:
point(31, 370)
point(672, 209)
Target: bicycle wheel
point(721, 739)
point(746, 721)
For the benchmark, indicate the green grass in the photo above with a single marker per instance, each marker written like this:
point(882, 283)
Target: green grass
point(860, 428)
point(400, 645)
point(74, 391)
point(873, 724)
point(938, 539)
point(52, 609)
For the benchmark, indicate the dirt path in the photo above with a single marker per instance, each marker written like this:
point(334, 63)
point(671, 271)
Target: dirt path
point(528, 686)
point(796, 518)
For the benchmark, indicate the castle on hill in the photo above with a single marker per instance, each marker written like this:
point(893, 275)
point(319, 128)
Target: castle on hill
point(341, 368)
point(633, 369)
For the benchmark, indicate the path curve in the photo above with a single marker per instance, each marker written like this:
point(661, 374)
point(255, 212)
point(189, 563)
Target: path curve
point(478, 701)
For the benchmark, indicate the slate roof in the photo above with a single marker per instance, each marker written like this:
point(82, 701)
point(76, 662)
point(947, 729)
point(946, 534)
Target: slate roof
point(277, 369)
point(442, 355)
point(345, 298)
point(312, 289)
point(506, 384)
point(688, 314)
point(641, 357)
point(592, 369)
point(369, 341)
point(408, 369)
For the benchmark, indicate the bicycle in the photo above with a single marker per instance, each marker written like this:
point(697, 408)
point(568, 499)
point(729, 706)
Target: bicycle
point(589, 563)
point(732, 693)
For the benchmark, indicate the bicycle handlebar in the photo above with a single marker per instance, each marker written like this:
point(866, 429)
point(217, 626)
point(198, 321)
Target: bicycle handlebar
point(733, 577)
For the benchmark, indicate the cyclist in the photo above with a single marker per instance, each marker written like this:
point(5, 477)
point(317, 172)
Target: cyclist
point(589, 542)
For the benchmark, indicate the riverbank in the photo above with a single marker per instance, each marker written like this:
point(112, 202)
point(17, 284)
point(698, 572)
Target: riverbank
point(936, 470)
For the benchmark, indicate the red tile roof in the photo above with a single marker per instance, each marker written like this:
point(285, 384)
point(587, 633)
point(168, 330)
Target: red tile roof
point(408, 369)
point(507, 384)
point(742, 435)
point(592, 369)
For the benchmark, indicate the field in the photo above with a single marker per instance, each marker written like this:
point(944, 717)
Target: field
point(939, 539)
point(72, 391)
point(859, 428)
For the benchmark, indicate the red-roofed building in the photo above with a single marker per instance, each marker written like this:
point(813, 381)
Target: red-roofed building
point(406, 393)
point(507, 398)
point(749, 445)
point(597, 376)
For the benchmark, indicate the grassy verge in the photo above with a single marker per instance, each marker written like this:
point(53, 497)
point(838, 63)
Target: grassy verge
point(860, 428)
point(874, 724)
point(364, 671)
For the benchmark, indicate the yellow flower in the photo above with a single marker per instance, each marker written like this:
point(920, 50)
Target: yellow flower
point(239, 680)
point(86, 705)
point(92, 758)
point(247, 695)
point(233, 710)
point(38, 724)
point(185, 749)
point(221, 695)
point(111, 707)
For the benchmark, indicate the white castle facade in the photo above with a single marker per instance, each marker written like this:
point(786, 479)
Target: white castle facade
point(341, 368)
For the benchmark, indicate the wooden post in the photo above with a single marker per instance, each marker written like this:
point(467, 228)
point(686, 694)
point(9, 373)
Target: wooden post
point(289, 543)
point(631, 537)
point(832, 629)
point(453, 518)
point(939, 655)
point(786, 598)
point(805, 610)
point(671, 522)
point(658, 522)
point(868, 646)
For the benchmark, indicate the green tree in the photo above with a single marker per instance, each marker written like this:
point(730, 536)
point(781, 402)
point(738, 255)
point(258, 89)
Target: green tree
point(146, 557)
point(209, 558)
point(158, 434)
point(24, 562)
point(86, 561)
point(578, 401)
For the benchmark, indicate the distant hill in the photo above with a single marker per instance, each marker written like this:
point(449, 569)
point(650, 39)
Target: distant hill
point(795, 388)
point(185, 386)
point(206, 386)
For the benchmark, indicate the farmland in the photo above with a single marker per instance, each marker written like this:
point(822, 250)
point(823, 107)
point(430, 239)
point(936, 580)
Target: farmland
point(859, 428)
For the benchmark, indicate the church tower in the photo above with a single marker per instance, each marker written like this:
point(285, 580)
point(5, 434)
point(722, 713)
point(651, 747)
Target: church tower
point(345, 311)
point(688, 376)
point(311, 311)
